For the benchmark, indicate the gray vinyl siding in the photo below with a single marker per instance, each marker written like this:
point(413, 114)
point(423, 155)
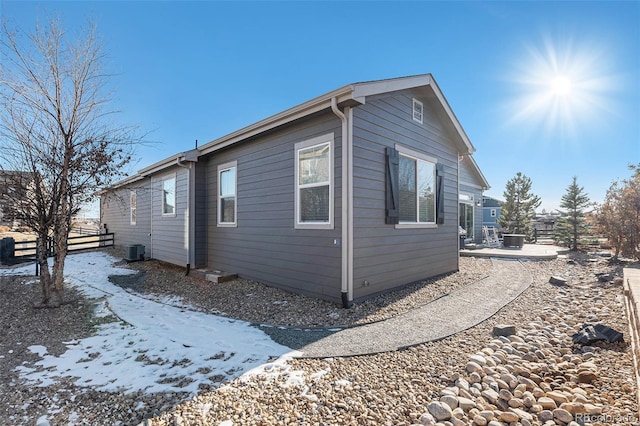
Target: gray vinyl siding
point(169, 233)
point(386, 257)
point(265, 246)
point(201, 216)
point(115, 211)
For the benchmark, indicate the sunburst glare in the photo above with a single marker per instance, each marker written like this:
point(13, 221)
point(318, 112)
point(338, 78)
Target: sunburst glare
point(560, 87)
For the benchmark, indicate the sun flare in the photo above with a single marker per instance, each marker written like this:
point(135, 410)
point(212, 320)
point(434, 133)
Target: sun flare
point(559, 87)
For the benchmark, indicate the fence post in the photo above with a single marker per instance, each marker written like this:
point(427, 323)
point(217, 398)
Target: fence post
point(7, 249)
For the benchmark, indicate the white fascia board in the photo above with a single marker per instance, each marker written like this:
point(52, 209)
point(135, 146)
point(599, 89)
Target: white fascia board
point(314, 105)
point(454, 120)
point(160, 165)
point(362, 90)
point(485, 183)
point(126, 181)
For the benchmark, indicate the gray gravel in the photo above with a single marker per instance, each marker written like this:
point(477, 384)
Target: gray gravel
point(391, 388)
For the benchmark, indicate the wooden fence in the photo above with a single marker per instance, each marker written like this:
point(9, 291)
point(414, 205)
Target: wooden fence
point(542, 233)
point(26, 250)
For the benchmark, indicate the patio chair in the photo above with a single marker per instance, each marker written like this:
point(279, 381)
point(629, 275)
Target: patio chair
point(491, 237)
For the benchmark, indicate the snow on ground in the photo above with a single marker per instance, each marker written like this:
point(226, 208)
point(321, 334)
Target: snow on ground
point(157, 345)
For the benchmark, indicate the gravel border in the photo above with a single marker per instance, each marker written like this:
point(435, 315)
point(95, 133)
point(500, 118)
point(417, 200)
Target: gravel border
point(392, 388)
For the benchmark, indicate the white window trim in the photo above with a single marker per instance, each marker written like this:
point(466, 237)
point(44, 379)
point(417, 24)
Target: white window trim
point(468, 201)
point(493, 212)
point(416, 155)
point(413, 111)
point(175, 194)
point(133, 212)
point(319, 140)
point(222, 168)
point(466, 198)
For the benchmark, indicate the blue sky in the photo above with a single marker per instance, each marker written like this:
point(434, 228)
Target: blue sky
point(199, 70)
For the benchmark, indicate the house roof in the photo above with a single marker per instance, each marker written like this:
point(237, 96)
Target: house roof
point(490, 201)
point(477, 172)
point(349, 95)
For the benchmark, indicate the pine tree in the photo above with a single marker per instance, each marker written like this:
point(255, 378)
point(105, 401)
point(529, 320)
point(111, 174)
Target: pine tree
point(571, 226)
point(519, 207)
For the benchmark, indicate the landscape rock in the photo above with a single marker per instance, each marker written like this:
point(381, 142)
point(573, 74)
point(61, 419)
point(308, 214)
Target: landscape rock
point(545, 416)
point(450, 400)
point(589, 334)
point(427, 419)
point(562, 415)
point(509, 417)
point(558, 281)
point(547, 403)
point(587, 376)
point(480, 420)
point(466, 404)
point(604, 278)
point(440, 410)
point(558, 397)
point(504, 330)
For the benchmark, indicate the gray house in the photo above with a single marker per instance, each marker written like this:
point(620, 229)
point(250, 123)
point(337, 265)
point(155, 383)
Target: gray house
point(347, 195)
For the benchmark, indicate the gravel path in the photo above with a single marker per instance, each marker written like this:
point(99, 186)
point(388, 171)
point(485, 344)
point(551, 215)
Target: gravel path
point(457, 311)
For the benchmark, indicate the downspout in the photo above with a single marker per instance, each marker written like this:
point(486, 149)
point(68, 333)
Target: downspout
point(187, 214)
point(460, 158)
point(151, 190)
point(347, 254)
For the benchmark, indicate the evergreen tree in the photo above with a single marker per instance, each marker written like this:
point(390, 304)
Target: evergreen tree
point(519, 207)
point(571, 223)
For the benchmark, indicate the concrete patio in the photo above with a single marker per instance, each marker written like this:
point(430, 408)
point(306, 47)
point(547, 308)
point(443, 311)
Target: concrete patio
point(533, 251)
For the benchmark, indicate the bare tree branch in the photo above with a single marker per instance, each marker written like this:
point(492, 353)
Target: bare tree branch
point(56, 127)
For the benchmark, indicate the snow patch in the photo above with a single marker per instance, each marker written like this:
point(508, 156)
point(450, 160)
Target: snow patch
point(157, 347)
point(38, 349)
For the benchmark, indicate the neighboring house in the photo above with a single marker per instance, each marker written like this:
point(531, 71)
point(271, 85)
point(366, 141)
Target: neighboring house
point(348, 195)
point(490, 211)
point(14, 190)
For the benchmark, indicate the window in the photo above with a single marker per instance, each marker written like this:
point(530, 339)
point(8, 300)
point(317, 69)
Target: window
point(417, 110)
point(493, 213)
point(133, 207)
point(417, 191)
point(169, 196)
point(466, 218)
point(314, 183)
point(227, 185)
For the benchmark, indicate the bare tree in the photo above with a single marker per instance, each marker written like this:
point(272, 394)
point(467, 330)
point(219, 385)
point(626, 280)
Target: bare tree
point(618, 217)
point(56, 126)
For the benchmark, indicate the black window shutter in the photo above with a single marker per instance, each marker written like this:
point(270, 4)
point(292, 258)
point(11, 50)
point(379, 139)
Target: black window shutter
point(439, 193)
point(392, 194)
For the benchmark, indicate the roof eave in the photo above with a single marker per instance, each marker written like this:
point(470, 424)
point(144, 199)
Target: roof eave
point(342, 95)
